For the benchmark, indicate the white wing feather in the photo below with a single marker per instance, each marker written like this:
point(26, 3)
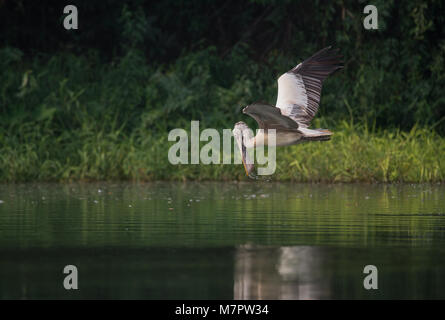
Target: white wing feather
point(299, 90)
point(291, 92)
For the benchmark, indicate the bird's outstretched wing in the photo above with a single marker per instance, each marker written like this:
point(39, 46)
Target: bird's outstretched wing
point(299, 89)
point(269, 117)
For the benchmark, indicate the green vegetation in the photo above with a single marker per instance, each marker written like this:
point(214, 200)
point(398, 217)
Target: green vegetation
point(98, 104)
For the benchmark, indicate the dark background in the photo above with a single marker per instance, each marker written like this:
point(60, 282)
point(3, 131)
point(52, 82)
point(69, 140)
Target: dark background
point(393, 77)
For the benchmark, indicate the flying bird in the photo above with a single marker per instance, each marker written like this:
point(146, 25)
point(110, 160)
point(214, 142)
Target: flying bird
point(298, 99)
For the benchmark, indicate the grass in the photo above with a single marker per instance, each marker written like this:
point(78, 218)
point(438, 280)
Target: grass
point(354, 154)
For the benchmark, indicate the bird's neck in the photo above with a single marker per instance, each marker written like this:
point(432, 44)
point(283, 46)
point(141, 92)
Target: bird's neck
point(257, 141)
point(250, 143)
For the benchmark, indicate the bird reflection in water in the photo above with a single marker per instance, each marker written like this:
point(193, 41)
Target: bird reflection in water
point(293, 272)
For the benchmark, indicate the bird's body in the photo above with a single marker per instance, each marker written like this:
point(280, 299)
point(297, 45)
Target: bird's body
point(298, 99)
point(285, 138)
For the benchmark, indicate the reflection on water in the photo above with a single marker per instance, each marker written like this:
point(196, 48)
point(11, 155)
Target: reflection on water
point(222, 240)
point(304, 272)
point(279, 273)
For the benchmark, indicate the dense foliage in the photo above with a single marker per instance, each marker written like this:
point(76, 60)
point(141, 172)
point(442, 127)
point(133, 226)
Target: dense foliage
point(84, 104)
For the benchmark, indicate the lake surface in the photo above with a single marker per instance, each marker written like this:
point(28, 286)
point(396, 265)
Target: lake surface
point(259, 240)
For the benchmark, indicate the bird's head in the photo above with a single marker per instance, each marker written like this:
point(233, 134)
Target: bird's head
point(242, 133)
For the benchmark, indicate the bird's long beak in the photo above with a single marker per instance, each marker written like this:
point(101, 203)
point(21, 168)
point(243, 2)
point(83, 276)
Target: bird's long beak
point(243, 157)
point(248, 167)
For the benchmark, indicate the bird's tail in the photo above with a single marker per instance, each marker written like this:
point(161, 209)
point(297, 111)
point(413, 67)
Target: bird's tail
point(316, 135)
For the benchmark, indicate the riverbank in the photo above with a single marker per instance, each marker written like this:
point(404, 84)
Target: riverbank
point(355, 154)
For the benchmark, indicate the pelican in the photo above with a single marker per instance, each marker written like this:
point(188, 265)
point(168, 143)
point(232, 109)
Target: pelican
point(297, 103)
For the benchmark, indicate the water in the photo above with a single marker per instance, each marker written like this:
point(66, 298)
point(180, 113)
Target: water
point(222, 240)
